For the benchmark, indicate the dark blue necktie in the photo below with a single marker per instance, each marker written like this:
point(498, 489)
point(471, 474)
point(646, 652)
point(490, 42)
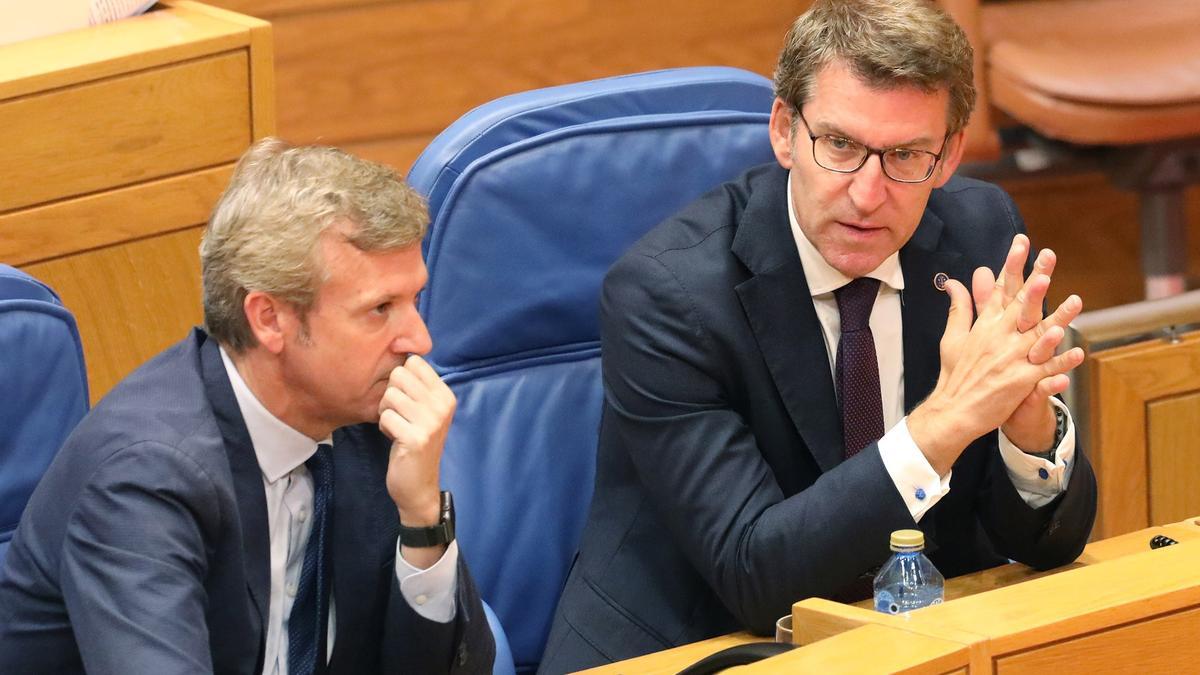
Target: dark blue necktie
point(857, 366)
point(308, 624)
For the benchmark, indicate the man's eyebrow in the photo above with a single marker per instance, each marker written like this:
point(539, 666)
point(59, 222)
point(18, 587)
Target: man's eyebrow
point(373, 301)
point(376, 300)
point(834, 130)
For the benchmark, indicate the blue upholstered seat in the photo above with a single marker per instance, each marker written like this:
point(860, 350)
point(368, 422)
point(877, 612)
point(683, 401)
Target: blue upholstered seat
point(533, 197)
point(43, 388)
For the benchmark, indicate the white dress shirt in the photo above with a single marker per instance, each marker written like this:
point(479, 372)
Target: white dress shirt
point(1037, 481)
point(282, 452)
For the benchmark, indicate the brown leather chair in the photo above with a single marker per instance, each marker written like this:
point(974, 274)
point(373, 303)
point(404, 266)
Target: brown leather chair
point(1107, 84)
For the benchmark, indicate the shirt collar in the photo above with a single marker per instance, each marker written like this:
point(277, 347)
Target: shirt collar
point(279, 447)
point(822, 277)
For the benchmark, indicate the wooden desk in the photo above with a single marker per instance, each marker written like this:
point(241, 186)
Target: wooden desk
point(1095, 552)
point(117, 141)
point(846, 638)
point(873, 648)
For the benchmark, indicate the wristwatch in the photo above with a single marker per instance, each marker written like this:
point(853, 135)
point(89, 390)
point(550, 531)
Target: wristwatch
point(436, 535)
point(1060, 432)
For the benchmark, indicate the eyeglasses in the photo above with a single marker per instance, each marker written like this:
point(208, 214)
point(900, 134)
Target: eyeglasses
point(842, 155)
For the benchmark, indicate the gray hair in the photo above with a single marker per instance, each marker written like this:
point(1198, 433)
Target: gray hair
point(887, 43)
point(264, 230)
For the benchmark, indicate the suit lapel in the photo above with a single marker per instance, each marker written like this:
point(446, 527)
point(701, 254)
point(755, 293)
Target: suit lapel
point(924, 307)
point(923, 311)
point(247, 479)
point(780, 312)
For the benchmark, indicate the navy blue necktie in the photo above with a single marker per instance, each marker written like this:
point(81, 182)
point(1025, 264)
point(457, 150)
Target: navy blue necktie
point(857, 366)
point(308, 624)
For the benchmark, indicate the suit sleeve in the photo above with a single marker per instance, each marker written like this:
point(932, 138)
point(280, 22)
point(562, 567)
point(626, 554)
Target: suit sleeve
point(668, 389)
point(1045, 537)
point(133, 561)
point(414, 644)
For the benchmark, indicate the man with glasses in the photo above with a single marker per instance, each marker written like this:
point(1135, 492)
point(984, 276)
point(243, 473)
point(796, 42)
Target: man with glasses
point(794, 368)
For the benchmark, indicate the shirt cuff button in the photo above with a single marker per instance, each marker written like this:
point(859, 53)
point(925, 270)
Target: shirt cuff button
point(1043, 474)
point(920, 495)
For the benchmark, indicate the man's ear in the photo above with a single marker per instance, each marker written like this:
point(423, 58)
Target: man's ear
point(951, 156)
point(270, 319)
point(781, 129)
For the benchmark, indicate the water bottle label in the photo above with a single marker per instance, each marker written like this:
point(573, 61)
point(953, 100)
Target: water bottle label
point(884, 602)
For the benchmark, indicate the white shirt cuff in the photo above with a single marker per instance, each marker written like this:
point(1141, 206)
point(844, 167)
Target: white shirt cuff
point(916, 481)
point(430, 592)
point(1039, 481)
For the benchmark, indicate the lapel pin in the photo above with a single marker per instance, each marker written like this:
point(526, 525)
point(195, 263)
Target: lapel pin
point(939, 280)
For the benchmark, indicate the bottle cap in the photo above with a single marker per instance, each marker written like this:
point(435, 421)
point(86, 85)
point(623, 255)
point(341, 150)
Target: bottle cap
point(907, 540)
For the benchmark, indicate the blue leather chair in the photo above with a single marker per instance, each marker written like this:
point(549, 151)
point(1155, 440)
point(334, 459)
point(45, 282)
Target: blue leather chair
point(43, 388)
point(533, 197)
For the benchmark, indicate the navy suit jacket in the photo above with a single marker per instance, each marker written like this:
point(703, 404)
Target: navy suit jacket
point(721, 493)
point(145, 547)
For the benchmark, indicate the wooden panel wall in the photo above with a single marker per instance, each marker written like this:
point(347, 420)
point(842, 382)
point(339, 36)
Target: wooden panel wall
point(173, 132)
point(131, 300)
point(1173, 424)
point(381, 78)
point(118, 141)
point(384, 77)
point(1144, 423)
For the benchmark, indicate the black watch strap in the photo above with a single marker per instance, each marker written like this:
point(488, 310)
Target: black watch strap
point(425, 537)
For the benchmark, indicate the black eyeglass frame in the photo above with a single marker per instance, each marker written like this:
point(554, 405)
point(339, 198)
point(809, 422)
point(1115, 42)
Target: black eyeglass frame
point(937, 156)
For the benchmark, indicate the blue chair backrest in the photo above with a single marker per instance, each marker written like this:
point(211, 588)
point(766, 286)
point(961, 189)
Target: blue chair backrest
point(532, 198)
point(43, 388)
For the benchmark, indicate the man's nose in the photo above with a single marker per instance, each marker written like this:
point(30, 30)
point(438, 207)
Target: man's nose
point(414, 337)
point(868, 186)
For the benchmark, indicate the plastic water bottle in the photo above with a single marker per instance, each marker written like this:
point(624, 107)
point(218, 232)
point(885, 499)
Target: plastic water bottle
point(908, 581)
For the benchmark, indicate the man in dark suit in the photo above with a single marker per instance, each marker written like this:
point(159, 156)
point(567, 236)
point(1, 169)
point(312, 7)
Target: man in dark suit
point(747, 459)
point(263, 496)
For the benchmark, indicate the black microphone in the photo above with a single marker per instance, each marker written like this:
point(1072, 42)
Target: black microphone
point(1160, 540)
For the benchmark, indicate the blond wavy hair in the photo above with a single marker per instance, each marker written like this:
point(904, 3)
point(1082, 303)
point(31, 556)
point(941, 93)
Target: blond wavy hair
point(264, 230)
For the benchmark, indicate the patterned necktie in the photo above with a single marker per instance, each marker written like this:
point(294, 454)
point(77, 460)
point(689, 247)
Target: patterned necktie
point(309, 620)
point(857, 367)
